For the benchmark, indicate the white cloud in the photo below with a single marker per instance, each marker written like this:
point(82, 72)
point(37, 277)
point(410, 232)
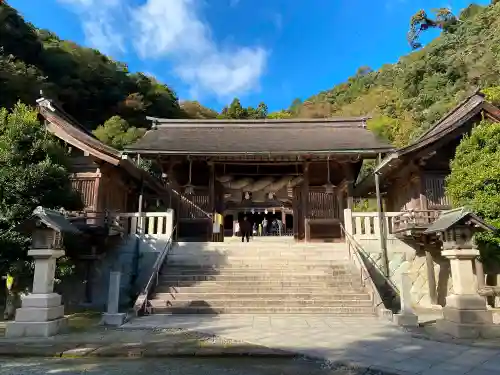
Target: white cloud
point(173, 30)
point(100, 19)
point(176, 31)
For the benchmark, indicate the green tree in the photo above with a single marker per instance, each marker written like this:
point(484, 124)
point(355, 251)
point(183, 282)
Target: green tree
point(493, 95)
point(475, 180)
point(419, 22)
point(193, 109)
point(117, 133)
point(33, 172)
point(237, 112)
point(279, 115)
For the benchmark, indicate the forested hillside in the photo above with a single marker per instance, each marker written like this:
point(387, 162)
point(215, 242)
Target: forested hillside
point(92, 87)
point(407, 97)
point(403, 99)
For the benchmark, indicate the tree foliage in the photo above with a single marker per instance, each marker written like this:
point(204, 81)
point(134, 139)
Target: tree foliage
point(194, 110)
point(419, 22)
point(33, 172)
point(493, 95)
point(118, 133)
point(475, 179)
point(280, 115)
point(89, 85)
point(406, 98)
point(237, 112)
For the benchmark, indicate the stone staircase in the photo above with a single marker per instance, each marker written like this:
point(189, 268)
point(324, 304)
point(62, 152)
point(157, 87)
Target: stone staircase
point(264, 276)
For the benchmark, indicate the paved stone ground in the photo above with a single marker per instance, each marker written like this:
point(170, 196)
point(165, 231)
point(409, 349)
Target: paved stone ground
point(173, 366)
point(102, 342)
point(359, 341)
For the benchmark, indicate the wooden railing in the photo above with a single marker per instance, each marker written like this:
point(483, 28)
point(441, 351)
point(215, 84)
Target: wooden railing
point(414, 220)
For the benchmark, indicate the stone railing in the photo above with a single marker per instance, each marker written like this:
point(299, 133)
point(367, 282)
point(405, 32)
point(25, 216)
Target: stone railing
point(144, 223)
point(366, 225)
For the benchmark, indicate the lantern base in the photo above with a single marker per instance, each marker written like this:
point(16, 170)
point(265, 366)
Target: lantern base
point(467, 317)
point(35, 329)
point(40, 315)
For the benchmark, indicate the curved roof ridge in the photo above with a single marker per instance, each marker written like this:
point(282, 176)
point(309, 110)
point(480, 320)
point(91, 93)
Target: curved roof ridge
point(216, 123)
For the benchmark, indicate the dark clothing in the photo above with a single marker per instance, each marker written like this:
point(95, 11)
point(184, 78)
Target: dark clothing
point(246, 227)
point(246, 230)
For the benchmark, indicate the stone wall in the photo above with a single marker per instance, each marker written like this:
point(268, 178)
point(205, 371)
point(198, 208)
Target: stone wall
point(365, 228)
point(147, 243)
point(398, 254)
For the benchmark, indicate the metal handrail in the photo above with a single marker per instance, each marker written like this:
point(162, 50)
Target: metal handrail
point(364, 272)
point(142, 299)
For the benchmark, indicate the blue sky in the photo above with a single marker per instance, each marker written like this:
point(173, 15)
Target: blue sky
point(258, 50)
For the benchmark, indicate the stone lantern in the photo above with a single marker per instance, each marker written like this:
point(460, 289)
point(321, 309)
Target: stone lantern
point(465, 314)
point(41, 313)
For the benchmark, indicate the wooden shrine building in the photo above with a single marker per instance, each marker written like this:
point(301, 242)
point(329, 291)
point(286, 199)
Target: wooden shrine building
point(301, 170)
point(105, 179)
point(413, 177)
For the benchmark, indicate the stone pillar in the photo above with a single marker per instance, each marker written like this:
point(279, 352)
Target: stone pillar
point(112, 317)
point(41, 313)
point(465, 314)
point(431, 278)
point(406, 317)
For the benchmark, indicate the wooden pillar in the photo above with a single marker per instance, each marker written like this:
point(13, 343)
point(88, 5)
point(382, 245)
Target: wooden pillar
point(211, 187)
point(350, 194)
point(283, 222)
point(305, 199)
point(211, 199)
point(340, 204)
point(423, 197)
point(295, 213)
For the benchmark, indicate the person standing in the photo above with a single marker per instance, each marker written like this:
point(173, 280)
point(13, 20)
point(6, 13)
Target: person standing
point(264, 226)
point(280, 227)
point(246, 229)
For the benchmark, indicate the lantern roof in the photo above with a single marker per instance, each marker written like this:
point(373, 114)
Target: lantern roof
point(451, 218)
point(54, 220)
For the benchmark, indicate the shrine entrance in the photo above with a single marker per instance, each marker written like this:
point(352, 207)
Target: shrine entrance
point(278, 220)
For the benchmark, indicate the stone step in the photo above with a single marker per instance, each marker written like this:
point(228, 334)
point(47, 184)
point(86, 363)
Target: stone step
point(262, 241)
point(253, 271)
point(245, 287)
point(304, 278)
point(263, 252)
point(214, 310)
point(249, 262)
point(262, 255)
point(186, 268)
point(188, 295)
point(260, 303)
